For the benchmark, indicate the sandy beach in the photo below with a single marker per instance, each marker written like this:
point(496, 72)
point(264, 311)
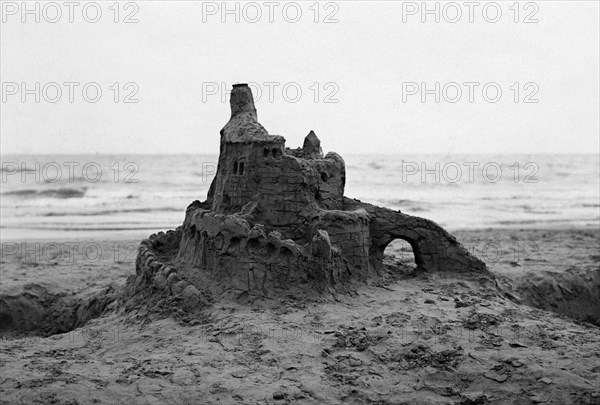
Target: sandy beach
point(314, 203)
point(413, 338)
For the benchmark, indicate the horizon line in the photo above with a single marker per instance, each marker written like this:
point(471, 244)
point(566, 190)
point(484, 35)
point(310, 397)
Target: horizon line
point(348, 154)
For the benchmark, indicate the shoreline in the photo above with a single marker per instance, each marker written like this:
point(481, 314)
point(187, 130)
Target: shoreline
point(143, 234)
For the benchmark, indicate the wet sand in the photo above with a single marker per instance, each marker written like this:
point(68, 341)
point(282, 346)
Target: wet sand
point(412, 338)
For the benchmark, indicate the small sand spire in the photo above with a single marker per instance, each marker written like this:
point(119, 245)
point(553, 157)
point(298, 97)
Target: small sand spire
point(312, 146)
point(242, 101)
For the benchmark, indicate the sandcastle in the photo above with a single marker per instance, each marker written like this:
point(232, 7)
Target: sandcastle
point(276, 219)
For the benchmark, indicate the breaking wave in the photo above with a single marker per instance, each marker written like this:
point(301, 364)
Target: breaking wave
point(110, 212)
point(52, 193)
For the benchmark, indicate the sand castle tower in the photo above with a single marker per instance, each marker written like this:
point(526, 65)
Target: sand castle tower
point(276, 219)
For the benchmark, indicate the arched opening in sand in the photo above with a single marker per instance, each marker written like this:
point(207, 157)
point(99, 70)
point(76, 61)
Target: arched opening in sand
point(400, 252)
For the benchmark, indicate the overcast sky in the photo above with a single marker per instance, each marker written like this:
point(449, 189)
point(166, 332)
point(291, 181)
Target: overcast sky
point(360, 76)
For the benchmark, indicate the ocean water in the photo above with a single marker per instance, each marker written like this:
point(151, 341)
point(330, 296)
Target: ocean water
point(120, 196)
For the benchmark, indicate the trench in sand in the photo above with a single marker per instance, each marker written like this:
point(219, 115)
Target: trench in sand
point(574, 292)
point(36, 311)
point(39, 312)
